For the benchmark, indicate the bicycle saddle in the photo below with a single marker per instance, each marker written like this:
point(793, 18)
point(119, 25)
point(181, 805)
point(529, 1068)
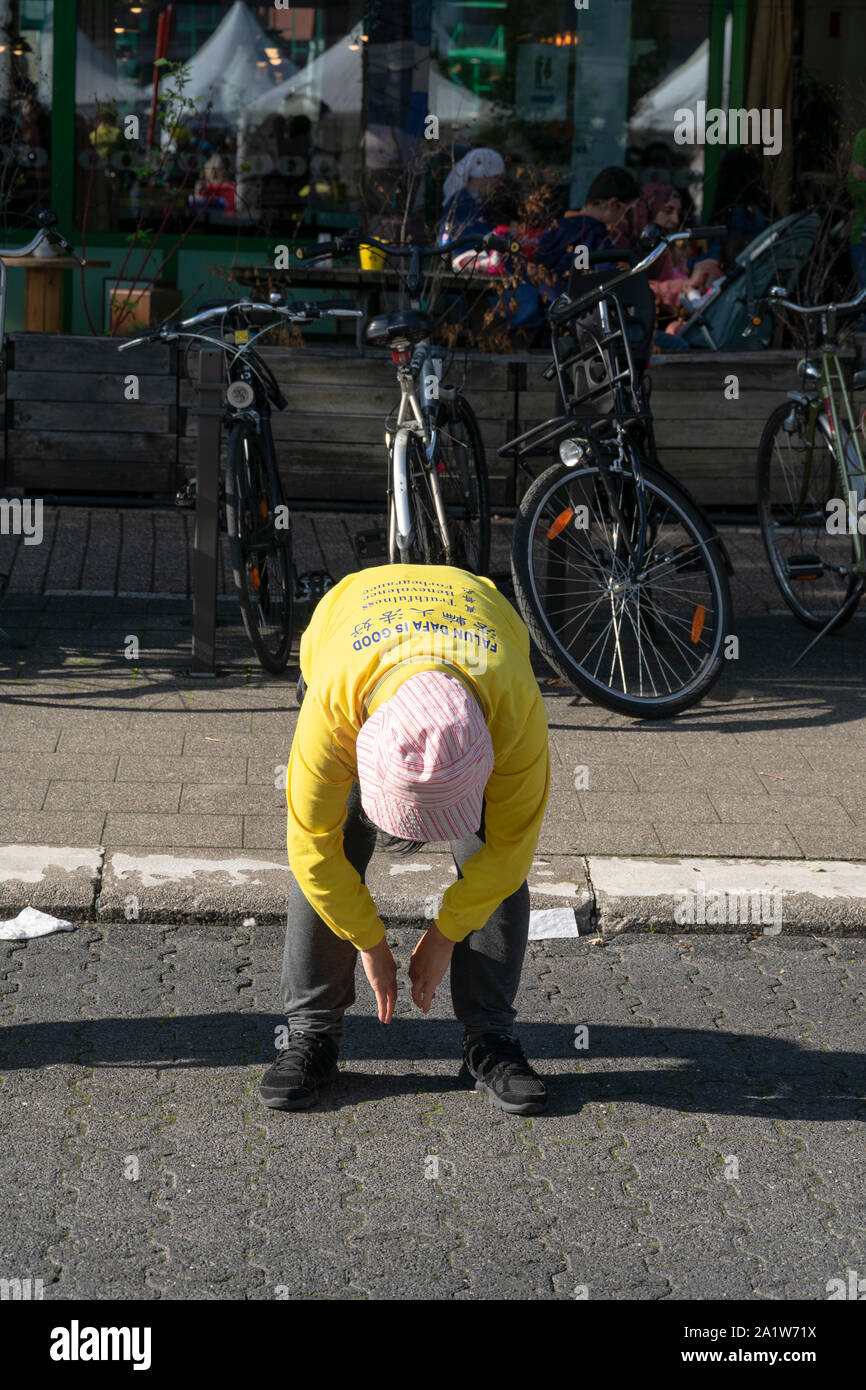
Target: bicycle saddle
point(405, 323)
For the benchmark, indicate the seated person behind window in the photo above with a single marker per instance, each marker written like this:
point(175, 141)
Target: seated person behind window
point(519, 311)
point(607, 200)
point(500, 216)
point(671, 278)
point(466, 190)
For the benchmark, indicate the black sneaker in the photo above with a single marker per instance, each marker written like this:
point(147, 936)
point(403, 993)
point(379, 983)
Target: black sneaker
point(292, 1082)
point(495, 1063)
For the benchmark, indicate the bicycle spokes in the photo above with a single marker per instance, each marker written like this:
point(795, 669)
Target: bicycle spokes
point(643, 629)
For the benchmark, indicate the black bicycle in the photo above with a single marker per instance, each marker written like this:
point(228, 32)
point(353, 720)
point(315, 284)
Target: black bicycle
point(619, 576)
point(253, 509)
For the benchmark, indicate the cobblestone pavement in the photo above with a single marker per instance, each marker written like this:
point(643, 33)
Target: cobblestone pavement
point(126, 552)
point(707, 1144)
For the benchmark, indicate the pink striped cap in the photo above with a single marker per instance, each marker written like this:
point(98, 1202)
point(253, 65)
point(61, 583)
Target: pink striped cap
point(424, 759)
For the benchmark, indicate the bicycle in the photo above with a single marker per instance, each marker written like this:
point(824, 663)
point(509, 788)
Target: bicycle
point(253, 509)
point(810, 457)
point(618, 574)
point(437, 492)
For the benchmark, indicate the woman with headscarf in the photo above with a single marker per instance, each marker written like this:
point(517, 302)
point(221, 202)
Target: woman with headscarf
point(662, 203)
point(466, 190)
point(475, 195)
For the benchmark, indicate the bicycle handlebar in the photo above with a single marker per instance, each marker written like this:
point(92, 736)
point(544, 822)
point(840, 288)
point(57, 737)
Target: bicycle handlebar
point(47, 220)
point(295, 313)
point(655, 242)
point(843, 306)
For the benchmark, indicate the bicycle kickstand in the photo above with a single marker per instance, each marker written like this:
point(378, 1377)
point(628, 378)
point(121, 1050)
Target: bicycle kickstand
point(824, 630)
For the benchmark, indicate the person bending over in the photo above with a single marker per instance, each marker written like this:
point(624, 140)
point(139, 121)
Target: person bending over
point(394, 740)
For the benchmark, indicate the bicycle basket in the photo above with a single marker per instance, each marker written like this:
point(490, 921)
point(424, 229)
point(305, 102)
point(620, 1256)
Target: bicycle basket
point(594, 365)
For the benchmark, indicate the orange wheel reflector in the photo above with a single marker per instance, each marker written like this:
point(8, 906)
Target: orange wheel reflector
point(698, 622)
point(560, 523)
point(263, 507)
point(254, 576)
point(756, 322)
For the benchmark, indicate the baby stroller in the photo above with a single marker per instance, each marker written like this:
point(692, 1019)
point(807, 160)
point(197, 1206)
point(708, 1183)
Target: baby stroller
point(776, 256)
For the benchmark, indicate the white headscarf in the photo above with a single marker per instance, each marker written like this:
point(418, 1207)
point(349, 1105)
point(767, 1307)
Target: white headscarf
point(477, 164)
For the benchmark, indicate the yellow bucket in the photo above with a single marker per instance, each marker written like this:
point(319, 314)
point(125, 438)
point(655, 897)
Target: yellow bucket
point(371, 257)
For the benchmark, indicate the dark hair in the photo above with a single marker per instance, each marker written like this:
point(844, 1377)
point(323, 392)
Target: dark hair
point(612, 182)
point(503, 204)
point(392, 843)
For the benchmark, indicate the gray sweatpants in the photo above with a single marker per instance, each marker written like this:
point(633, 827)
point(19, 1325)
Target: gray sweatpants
point(318, 976)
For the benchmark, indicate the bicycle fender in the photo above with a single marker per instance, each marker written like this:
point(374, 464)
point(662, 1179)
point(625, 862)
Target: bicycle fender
point(400, 471)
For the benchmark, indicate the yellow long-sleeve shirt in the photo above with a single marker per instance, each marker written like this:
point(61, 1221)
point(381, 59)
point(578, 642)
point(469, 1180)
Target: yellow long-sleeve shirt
point(367, 635)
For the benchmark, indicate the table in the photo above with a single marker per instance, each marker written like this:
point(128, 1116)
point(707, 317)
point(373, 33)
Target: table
point(368, 286)
point(44, 288)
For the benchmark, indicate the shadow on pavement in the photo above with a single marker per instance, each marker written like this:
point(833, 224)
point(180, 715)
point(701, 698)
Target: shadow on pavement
point(706, 1071)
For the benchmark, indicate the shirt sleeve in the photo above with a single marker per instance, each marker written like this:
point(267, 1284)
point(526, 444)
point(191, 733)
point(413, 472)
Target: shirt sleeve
point(515, 801)
point(317, 787)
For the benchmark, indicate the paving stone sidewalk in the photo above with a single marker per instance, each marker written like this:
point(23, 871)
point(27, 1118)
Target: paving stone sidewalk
point(708, 1143)
point(171, 789)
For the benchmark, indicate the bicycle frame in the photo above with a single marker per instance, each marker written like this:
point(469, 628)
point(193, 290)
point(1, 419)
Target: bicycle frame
point(413, 419)
point(832, 381)
point(826, 402)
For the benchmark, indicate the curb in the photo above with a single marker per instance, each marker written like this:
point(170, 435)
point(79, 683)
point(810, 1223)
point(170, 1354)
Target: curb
point(604, 895)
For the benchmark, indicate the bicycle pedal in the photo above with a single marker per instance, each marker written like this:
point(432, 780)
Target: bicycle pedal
point(312, 585)
point(371, 544)
point(804, 567)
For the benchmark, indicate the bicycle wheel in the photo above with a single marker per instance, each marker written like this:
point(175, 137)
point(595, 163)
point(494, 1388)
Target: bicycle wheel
point(260, 549)
point(811, 565)
point(461, 469)
point(646, 644)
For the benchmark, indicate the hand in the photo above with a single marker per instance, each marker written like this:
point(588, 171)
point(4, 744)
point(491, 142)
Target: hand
point(704, 270)
point(381, 970)
point(858, 172)
point(430, 960)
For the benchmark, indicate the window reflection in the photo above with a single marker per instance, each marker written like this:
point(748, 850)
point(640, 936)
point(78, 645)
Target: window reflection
point(25, 109)
point(297, 120)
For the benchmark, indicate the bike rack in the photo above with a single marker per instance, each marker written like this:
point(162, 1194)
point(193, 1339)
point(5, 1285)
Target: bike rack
point(209, 409)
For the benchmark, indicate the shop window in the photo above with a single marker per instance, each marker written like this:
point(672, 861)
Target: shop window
point(26, 50)
point(256, 131)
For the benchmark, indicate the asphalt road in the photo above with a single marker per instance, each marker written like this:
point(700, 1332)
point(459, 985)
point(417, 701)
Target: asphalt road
point(707, 1144)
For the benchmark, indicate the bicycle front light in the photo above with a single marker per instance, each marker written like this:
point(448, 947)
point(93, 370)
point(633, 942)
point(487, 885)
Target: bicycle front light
point(571, 452)
point(240, 395)
point(808, 369)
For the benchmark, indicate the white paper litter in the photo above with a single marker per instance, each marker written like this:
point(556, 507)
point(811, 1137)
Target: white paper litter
point(31, 922)
point(552, 921)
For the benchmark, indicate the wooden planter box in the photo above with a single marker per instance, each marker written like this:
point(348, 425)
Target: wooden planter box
point(149, 308)
point(68, 425)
